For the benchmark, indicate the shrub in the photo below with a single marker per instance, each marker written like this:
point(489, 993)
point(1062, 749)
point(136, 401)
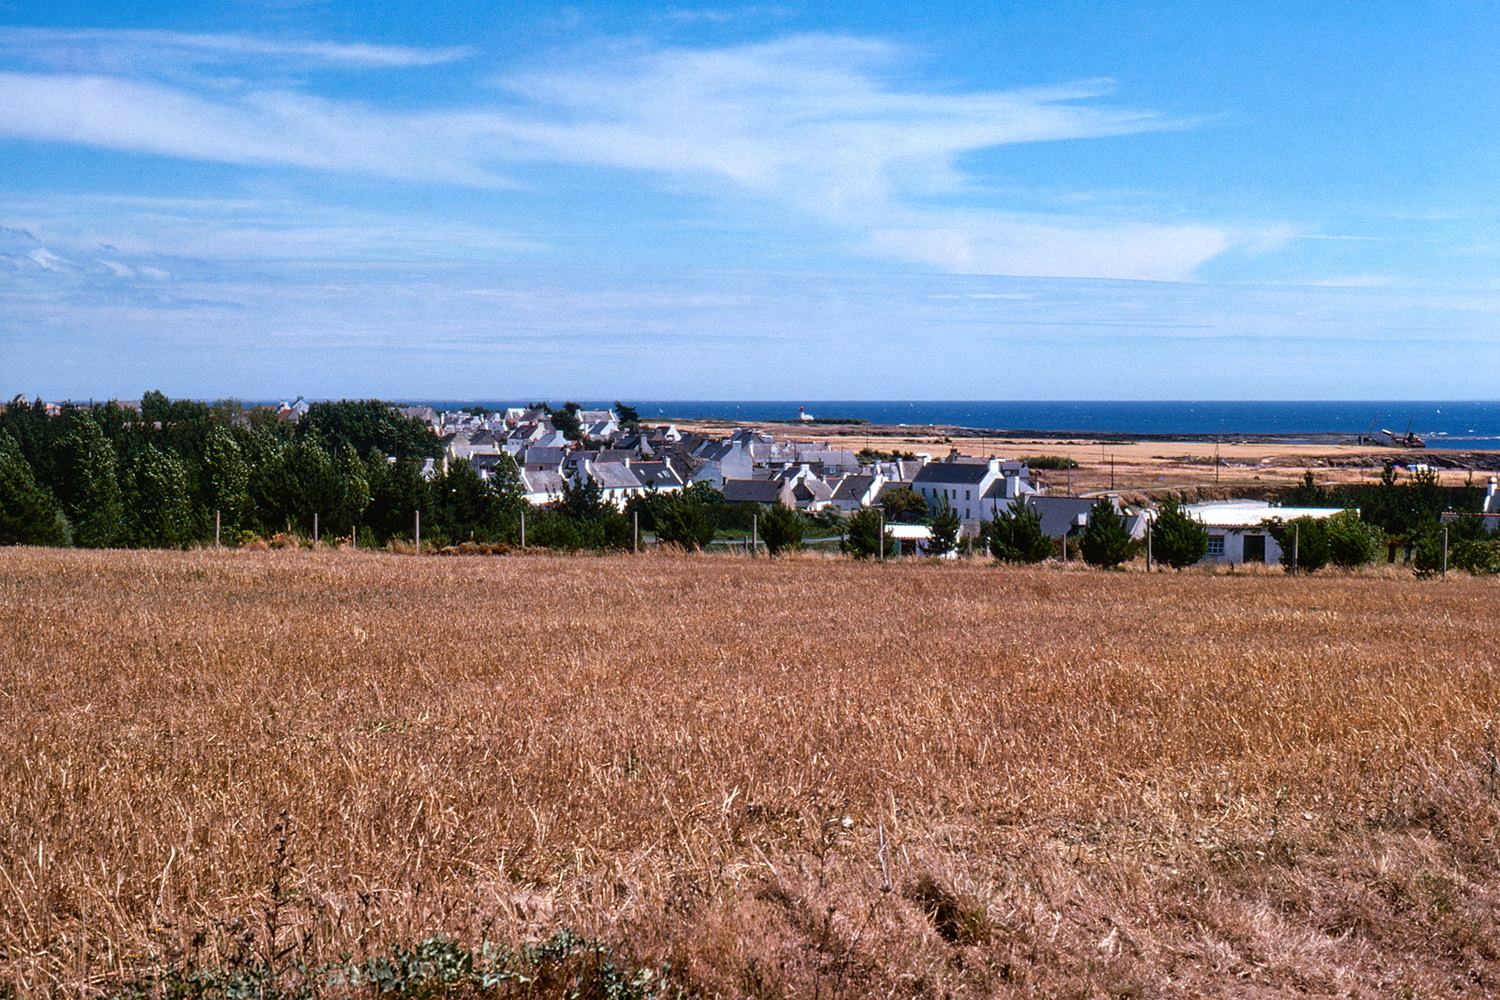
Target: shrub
point(1351, 542)
point(781, 528)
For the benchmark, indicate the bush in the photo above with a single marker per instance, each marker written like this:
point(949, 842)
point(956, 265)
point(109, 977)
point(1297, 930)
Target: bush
point(1304, 544)
point(781, 528)
point(1351, 542)
point(685, 521)
point(1017, 535)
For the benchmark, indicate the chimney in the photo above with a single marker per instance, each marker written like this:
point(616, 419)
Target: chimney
point(994, 467)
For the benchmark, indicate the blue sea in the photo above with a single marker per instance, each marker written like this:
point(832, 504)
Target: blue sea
point(1457, 425)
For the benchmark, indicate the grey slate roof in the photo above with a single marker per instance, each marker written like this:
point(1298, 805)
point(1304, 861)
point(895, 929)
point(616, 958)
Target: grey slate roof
point(960, 473)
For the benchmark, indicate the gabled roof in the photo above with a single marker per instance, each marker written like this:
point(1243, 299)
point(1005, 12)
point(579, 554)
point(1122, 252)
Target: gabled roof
point(853, 488)
point(614, 476)
point(656, 475)
point(535, 457)
point(542, 481)
point(960, 473)
point(765, 491)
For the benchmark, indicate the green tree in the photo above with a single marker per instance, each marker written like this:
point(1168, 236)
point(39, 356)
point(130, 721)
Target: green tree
point(29, 514)
point(94, 499)
point(628, 416)
point(397, 494)
point(863, 537)
point(359, 425)
point(781, 528)
point(1106, 542)
point(1351, 542)
point(466, 506)
point(566, 421)
point(161, 506)
point(1177, 538)
point(946, 525)
point(903, 505)
point(1017, 535)
point(225, 479)
point(300, 479)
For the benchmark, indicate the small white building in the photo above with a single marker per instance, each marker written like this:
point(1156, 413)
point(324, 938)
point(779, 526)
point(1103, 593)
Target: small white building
point(1237, 531)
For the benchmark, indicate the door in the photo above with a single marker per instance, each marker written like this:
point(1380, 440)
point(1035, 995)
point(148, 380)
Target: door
point(1255, 548)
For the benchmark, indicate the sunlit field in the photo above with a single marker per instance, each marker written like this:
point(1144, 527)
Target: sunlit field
point(802, 778)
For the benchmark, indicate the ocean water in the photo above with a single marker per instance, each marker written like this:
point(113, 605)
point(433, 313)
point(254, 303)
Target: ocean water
point(1456, 425)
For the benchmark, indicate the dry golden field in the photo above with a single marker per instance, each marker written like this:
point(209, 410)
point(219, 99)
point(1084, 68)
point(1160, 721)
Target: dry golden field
point(805, 778)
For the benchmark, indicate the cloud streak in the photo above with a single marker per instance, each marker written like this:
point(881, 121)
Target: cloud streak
point(828, 128)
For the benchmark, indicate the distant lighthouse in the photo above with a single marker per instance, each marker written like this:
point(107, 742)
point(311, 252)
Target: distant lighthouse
point(803, 415)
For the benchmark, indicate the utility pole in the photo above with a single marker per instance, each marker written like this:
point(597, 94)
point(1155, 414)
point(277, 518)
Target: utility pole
point(419, 532)
point(523, 529)
point(315, 529)
point(216, 529)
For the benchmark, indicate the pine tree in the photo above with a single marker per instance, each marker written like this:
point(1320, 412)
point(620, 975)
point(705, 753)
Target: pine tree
point(1106, 542)
point(95, 502)
point(863, 538)
point(781, 528)
point(29, 515)
point(1017, 536)
point(946, 525)
point(1177, 538)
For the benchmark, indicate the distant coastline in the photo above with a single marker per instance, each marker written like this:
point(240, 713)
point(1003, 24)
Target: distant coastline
point(1449, 424)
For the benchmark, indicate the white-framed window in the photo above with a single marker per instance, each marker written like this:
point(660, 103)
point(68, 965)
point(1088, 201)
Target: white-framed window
point(1215, 546)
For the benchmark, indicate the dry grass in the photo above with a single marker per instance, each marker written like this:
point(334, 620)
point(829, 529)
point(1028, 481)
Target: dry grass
point(801, 778)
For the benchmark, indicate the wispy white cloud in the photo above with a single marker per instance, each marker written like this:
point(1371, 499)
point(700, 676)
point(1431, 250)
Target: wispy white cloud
point(833, 130)
point(147, 50)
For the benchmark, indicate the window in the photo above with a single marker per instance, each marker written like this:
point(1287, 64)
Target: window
point(966, 494)
point(1215, 546)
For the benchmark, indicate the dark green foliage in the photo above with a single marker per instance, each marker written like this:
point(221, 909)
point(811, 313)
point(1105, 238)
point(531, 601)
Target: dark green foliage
point(1478, 555)
point(628, 417)
point(946, 525)
point(1017, 536)
point(397, 493)
point(300, 479)
point(1051, 462)
point(863, 537)
point(29, 515)
point(466, 507)
point(1399, 507)
point(868, 456)
point(1304, 543)
point(359, 425)
point(161, 510)
point(93, 499)
point(903, 505)
point(566, 421)
point(686, 520)
point(1177, 538)
point(1351, 542)
point(1428, 559)
point(1105, 542)
point(781, 528)
point(224, 480)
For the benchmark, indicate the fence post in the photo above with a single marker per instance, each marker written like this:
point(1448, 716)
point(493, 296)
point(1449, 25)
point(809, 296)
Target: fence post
point(1445, 550)
point(216, 529)
point(635, 532)
point(419, 532)
point(1296, 537)
point(754, 534)
point(523, 529)
point(315, 529)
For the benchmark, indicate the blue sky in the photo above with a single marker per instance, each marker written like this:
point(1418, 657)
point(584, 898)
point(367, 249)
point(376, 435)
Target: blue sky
point(261, 198)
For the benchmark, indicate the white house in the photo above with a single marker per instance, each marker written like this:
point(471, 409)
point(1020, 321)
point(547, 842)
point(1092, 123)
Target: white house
point(1237, 531)
point(975, 489)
